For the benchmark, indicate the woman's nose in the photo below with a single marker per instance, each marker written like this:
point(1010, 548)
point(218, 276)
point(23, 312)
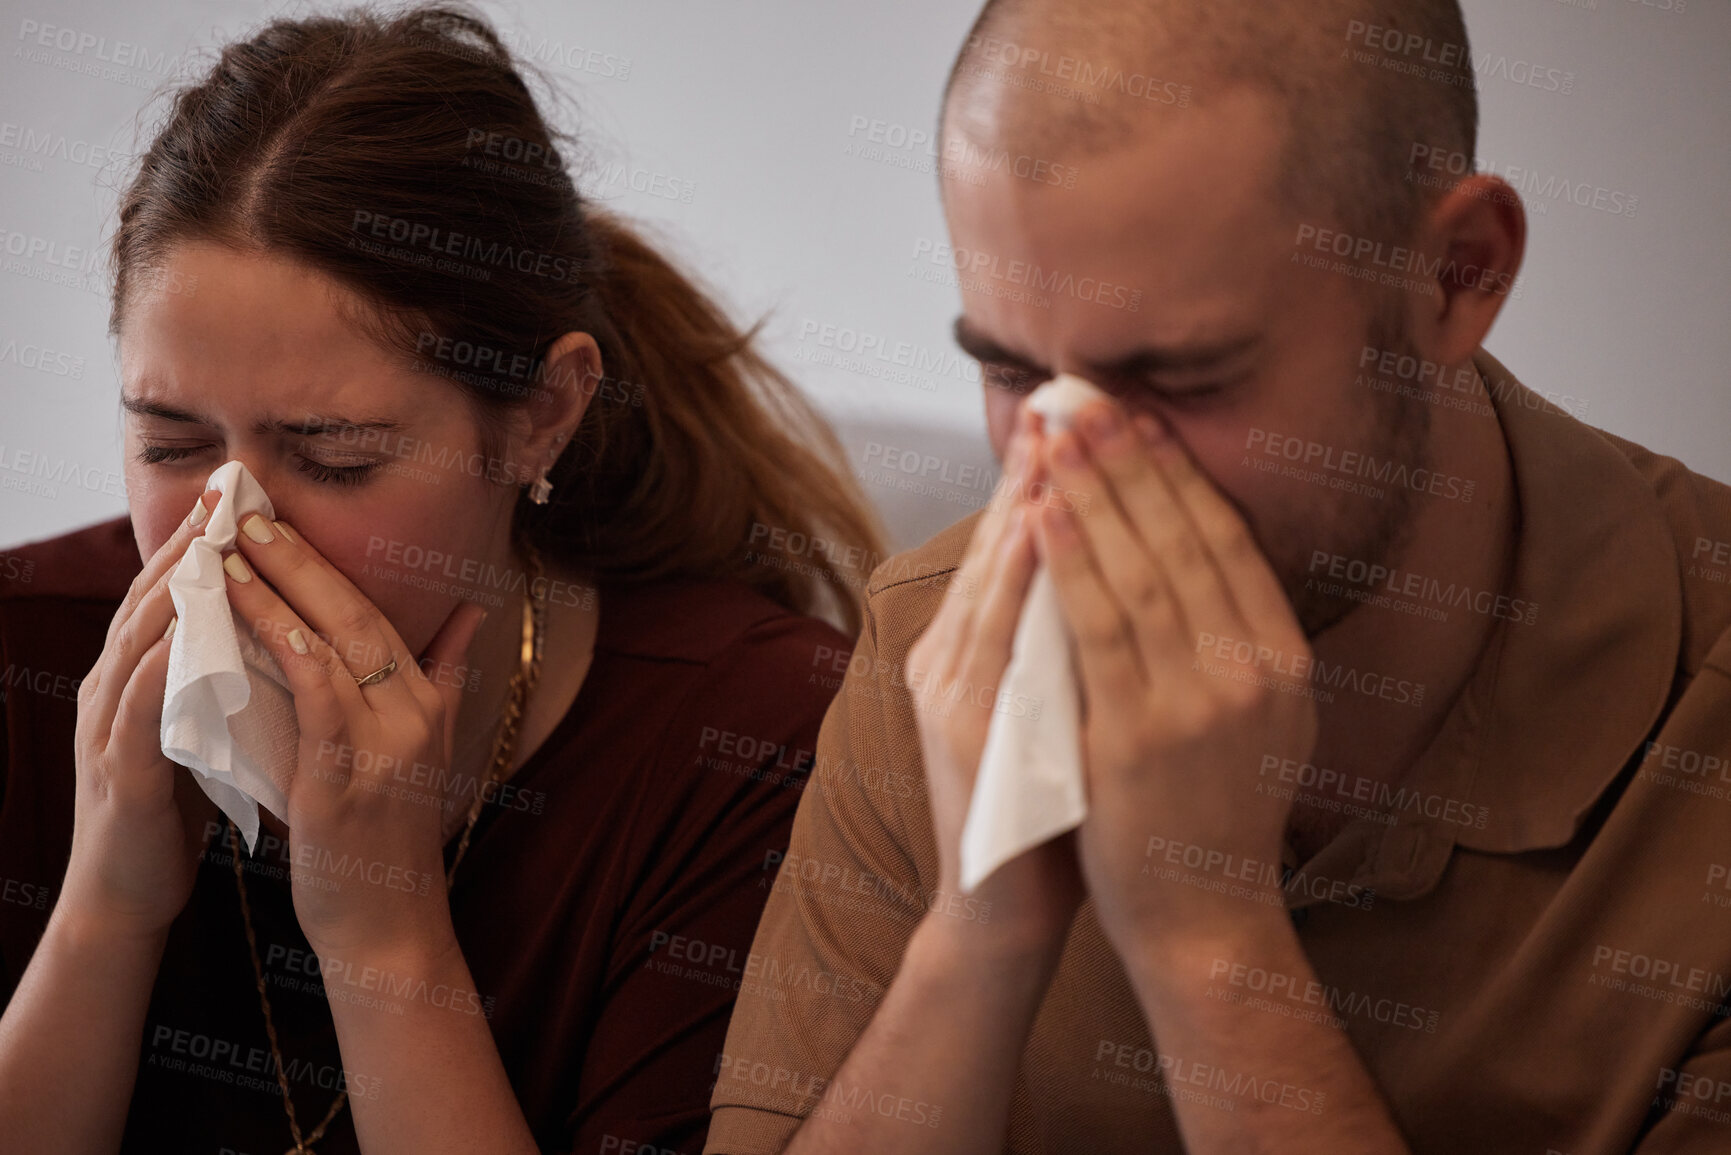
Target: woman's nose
point(264, 476)
point(262, 471)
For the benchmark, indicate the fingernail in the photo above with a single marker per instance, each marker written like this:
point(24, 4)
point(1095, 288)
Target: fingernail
point(199, 513)
point(169, 632)
point(282, 528)
point(257, 529)
point(236, 568)
point(1152, 431)
point(297, 641)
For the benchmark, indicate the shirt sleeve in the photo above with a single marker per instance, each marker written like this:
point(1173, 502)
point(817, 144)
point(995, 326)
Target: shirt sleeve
point(733, 764)
point(843, 904)
point(1691, 1112)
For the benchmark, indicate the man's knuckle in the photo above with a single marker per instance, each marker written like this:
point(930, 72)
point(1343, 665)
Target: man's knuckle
point(1144, 591)
point(1102, 631)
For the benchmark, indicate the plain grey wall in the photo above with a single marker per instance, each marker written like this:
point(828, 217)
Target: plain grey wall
point(735, 129)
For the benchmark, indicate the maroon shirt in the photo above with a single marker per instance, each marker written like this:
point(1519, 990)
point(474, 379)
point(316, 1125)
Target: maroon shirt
point(605, 907)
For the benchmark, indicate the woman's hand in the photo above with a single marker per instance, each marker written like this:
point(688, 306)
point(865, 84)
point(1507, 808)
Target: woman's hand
point(366, 846)
point(967, 646)
point(139, 821)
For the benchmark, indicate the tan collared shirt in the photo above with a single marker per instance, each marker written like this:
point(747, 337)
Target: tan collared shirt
point(1528, 941)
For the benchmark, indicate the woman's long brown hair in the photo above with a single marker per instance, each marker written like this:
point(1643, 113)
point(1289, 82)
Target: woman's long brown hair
point(403, 155)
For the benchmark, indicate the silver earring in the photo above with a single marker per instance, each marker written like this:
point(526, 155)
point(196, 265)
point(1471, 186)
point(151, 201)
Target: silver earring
point(542, 489)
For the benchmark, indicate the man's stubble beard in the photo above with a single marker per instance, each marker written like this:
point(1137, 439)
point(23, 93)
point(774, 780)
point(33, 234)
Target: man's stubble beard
point(1374, 531)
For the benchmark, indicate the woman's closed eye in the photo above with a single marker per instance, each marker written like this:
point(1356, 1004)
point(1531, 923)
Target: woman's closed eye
point(323, 472)
point(165, 454)
point(329, 474)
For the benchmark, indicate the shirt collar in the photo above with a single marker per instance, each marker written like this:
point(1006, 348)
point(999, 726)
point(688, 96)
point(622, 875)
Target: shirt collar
point(1570, 697)
point(1557, 706)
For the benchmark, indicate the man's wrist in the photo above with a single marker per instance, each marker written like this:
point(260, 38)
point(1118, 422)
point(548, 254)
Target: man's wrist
point(996, 967)
point(1179, 959)
point(1179, 901)
point(1000, 942)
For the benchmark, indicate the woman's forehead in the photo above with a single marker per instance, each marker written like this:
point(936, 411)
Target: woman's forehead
point(259, 333)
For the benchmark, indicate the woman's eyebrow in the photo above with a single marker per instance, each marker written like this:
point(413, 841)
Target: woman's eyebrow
point(157, 409)
point(315, 424)
point(310, 426)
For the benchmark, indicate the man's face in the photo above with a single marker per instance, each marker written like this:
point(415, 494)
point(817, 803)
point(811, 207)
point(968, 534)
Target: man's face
point(1168, 276)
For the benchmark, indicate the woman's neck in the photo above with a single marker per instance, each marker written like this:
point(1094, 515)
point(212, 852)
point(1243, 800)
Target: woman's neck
point(567, 647)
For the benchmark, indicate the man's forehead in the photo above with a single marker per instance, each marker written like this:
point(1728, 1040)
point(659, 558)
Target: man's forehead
point(1099, 275)
point(1187, 205)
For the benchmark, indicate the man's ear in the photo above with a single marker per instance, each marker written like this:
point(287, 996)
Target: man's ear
point(1477, 234)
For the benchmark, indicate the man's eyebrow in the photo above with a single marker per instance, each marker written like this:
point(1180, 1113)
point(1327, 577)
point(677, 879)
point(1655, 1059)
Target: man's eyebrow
point(312, 426)
point(1142, 362)
point(1153, 359)
point(984, 349)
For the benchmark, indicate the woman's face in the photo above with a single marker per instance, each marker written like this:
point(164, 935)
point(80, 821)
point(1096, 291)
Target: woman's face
point(377, 466)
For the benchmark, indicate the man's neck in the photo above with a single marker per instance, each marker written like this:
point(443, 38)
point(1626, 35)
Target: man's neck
point(1459, 545)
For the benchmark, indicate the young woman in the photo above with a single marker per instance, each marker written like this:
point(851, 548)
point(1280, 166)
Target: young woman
point(352, 259)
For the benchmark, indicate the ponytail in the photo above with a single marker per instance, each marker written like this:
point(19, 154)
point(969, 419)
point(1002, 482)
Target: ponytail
point(698, 456)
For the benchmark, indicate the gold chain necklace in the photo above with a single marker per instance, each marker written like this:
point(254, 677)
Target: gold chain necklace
point(499, 769)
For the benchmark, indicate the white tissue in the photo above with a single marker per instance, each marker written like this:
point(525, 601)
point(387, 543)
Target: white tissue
point(1030, 787)
point(227, 713)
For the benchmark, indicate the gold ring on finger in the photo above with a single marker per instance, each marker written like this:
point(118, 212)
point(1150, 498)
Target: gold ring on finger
point(379, 674)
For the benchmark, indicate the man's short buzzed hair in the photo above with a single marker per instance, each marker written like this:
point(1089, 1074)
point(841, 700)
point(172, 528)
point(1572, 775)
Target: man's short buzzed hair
point(1366, 86)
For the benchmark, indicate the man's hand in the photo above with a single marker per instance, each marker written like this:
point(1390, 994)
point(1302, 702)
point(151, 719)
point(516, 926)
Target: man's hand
point(954, 672)
point(951, 1029)
point(1173, 743)
point(1174, 733)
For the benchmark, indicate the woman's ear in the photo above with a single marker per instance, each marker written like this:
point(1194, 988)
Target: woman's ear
point(570, 375)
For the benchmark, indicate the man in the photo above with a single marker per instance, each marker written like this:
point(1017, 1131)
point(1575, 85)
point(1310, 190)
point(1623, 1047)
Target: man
point(1407, 694)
